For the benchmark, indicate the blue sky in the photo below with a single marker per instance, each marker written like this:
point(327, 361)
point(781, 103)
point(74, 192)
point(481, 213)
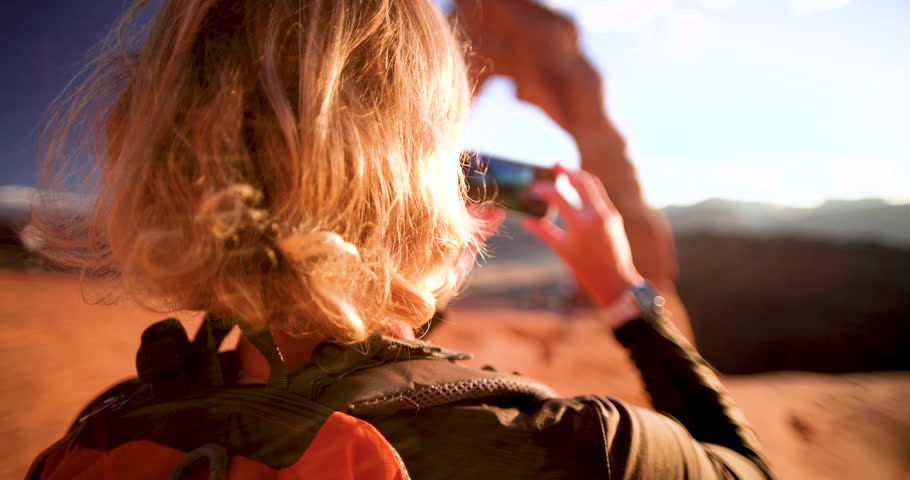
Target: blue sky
point(784, 101)
point(787, 101)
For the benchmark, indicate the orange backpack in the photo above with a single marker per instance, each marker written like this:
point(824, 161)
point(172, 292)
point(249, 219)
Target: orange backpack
point(183, 412)
point(185, 416)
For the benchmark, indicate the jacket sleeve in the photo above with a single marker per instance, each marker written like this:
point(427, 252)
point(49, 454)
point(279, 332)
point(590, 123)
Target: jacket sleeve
point(699, 432)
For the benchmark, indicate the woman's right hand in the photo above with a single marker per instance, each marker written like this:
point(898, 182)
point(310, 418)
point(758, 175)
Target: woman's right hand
point(593, 243)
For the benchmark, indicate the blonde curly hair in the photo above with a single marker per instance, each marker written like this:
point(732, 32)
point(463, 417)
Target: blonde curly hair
point(282, 162)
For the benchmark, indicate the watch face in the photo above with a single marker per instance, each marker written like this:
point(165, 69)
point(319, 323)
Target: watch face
point(649, 301)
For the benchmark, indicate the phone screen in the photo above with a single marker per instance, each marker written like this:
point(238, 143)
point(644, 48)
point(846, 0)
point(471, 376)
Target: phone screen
point(506, 183)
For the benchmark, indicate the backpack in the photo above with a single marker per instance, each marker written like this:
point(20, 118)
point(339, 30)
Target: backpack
point(186, 416)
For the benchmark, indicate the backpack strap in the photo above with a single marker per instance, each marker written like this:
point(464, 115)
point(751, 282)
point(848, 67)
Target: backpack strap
point(262, 339)
point(386, 375)
point(169, 364)
point(215, 370)
point(163, 356)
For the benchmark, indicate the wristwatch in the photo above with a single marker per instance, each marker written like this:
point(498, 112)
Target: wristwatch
point(650, 303)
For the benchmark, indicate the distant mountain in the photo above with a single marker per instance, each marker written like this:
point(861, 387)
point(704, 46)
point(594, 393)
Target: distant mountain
point(758, 302)
point(866, 219)
point(793, 303)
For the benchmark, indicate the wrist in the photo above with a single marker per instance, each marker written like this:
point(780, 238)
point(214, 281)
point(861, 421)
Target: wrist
point(640, 300)
point(623, 311)
point(607, 295)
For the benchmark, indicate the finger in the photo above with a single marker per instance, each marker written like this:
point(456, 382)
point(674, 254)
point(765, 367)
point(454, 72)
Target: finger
point(545, 231)
point(591, 192)
point(548, 192)
point(489, 219)
point(596, 189)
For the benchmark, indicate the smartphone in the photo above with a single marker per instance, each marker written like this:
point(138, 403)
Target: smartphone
point(507, 183)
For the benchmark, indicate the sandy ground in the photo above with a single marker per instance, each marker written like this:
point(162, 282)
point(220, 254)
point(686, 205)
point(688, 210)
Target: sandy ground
point(60, 351)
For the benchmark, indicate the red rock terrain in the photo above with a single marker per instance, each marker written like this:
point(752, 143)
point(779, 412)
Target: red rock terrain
point(60, 351)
